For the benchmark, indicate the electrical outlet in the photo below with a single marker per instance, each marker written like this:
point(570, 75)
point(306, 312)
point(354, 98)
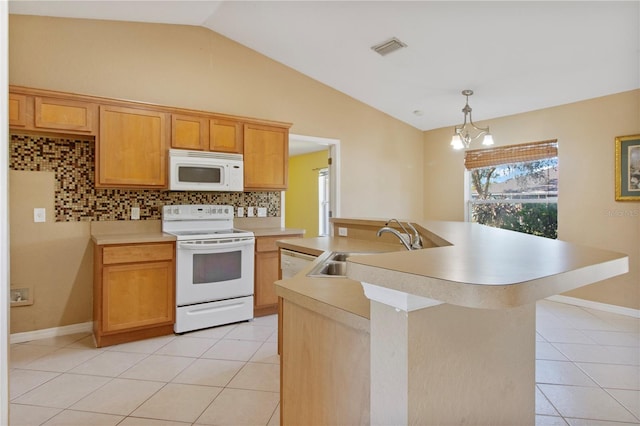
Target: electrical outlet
point(39, 215)
point(240, 211)
point(250, 211)
point(342, 232)
point(21, 296)
point(135, 213)
point(262, 212)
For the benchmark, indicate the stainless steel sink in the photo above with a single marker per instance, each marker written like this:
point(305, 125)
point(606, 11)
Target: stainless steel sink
point(334, 266)
point(338, 269)
point(339, 257)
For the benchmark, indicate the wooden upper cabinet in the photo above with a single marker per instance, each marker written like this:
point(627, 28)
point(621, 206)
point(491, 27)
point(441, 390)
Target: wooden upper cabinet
point(205, 134)
point(189, 132)
point(131, 149)
point(65, 114)
point(266, 157)
point(225, 136)
point(17, 110)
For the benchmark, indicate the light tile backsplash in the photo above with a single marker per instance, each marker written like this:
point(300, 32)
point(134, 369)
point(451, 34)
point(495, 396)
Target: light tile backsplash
point(76, 198)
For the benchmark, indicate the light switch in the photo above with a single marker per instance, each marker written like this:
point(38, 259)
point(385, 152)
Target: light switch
point(240, 211)
point(39, 215)
point(262, 212)
point(250, 211)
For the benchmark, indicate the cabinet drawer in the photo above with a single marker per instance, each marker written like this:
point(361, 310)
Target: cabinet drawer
point(269, 243)
point(137, 253)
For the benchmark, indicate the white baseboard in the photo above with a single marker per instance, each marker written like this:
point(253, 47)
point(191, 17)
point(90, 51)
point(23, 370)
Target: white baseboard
point(614, 309)
point(51, 332)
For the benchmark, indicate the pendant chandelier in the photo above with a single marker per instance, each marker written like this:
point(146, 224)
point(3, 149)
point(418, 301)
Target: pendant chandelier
point(466, 133)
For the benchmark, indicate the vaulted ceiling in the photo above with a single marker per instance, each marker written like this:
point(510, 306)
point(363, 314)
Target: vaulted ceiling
point(517, 56)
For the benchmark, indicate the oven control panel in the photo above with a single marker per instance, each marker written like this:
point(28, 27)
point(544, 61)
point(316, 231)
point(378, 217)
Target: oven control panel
point(196, 212)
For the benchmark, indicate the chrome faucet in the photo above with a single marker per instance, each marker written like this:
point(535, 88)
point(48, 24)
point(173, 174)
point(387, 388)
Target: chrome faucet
point(396, 233)
point(414, 240)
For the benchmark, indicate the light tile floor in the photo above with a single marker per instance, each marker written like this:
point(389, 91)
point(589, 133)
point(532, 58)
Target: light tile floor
point(587, 374)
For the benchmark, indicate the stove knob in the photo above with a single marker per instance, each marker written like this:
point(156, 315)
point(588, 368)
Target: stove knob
point(226, 211)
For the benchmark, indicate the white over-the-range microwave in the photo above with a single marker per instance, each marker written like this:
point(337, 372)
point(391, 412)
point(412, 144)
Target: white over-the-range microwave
point(205, 171)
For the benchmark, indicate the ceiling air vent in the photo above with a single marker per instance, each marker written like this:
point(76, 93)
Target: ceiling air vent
point(388, 46)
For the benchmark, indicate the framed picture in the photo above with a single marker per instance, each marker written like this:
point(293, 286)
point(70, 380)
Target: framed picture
point(628, 168)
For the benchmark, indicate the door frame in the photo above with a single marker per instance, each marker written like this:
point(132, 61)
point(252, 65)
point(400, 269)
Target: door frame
point(333, 145)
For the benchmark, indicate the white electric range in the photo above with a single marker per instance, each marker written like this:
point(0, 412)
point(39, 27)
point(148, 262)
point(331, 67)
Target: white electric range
point(214, 266)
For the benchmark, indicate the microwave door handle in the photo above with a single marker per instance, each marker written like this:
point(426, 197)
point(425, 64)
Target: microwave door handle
point(208, 247)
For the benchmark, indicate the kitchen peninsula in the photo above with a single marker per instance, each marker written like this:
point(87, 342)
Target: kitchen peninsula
point(449, 336)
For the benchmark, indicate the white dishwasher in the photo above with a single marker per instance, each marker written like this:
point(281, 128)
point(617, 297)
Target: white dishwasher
point(292, 262)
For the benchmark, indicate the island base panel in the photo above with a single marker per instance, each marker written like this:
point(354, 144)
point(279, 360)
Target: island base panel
point(452, 365)
point(324, 370)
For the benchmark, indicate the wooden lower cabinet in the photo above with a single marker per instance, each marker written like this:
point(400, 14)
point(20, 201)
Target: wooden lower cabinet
point(324, 368)
point(267, 272)
point(134, 292)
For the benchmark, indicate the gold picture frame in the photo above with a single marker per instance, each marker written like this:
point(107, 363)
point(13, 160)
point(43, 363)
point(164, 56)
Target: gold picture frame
point(628, 168)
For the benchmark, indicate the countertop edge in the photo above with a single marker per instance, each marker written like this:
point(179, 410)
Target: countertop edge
point(336, 313)
point(154, 237)
point(274, 232)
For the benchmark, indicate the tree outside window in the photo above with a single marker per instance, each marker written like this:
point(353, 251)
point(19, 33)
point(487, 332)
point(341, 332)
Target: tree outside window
point(515, 188)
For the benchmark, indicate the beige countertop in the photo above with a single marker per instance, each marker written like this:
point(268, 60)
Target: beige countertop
point(274, 232)
point(477, 266)
point(128, 232)
point(132, 238)
point(322, 294)
point(487, 267)
point(149, 231)
point(319, 245)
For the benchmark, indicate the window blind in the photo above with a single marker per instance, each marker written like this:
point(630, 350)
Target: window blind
point(478, 158)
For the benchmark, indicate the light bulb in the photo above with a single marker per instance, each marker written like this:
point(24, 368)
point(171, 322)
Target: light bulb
point(488, 139)
point(456, 142)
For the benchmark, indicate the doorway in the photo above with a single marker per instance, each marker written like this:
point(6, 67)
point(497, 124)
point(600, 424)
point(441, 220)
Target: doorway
point(314, 182)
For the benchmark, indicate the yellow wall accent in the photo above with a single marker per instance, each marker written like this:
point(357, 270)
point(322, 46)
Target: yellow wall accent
point(301, 199)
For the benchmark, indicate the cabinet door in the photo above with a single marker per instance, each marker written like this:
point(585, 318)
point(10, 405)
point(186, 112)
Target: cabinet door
point(131, 148)
point(189, 132)
point(266, 157)
point(17, 110)
point(225, 136)
point(266, 271)
point(64, 114)
point(137, 295)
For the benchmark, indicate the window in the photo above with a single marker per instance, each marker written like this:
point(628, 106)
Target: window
point(515, 187)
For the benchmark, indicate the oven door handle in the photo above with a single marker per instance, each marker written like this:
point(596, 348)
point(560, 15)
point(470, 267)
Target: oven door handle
point(208, 246)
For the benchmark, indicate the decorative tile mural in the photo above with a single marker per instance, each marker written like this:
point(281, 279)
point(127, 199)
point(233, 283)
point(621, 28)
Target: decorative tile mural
point(76, 198)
